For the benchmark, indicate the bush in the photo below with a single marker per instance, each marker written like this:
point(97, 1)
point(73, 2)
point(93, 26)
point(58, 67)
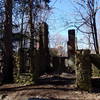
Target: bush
point(24, 79)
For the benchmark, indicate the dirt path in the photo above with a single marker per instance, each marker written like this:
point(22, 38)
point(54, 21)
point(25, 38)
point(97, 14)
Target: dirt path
point(49, 88)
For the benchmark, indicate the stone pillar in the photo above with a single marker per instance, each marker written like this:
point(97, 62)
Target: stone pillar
point(71, 49)
point(71, 43)
point(95, 59)
point(83, 70)
point(44, 49)
point(56, 64)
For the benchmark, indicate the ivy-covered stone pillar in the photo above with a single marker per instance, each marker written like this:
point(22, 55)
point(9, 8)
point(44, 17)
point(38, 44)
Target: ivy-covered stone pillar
point(83, 70)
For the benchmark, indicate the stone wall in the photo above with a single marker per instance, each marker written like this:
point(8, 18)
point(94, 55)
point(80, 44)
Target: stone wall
point(83, 70)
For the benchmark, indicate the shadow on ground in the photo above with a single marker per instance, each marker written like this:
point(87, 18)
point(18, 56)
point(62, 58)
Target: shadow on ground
point(96, 85)
point(54, 81)
point(44, 99)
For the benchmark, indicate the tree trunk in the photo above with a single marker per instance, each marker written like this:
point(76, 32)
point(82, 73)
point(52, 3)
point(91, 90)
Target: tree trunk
point(33, 54)
point(96, 37)
point(21, 48)
point(83, 70)
point(32, 36)
point(8, 52)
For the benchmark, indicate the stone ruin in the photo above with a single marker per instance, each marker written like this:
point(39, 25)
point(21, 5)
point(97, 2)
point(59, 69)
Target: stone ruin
point(71, 43)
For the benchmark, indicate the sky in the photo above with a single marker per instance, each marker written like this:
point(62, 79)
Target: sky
point(62, 13)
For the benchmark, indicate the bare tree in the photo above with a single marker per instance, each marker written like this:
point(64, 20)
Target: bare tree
point(88, 10)
point(60, 42)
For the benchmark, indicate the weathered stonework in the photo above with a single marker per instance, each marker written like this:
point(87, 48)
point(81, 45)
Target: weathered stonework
point(83, 70)
point(71, 43)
